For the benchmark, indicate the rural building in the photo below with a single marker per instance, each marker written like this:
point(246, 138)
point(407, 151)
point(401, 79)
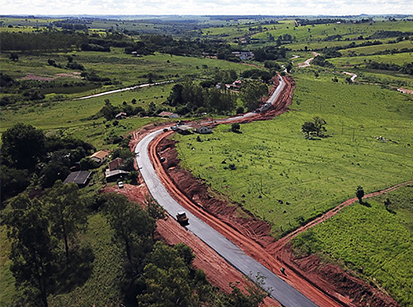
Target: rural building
point(182, 129)
point(115, 174)
point(115, 164)
point(100, 156)
point(80, 178)
point(203, 130)
point(243, 55)
point(168, 114)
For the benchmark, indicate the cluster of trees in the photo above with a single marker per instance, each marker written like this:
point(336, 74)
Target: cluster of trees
point(321, 61)
point(52, 41)
point(148, 44)
point(388, 34)
point(258, 74)
point(189, 97)
point(269, 53)
point(55, 41)
point(30, 158)
point(252, 92)
point(45, 254)
point(315, 127)
point(406, 68)
point(49, 256)
point(321, 21)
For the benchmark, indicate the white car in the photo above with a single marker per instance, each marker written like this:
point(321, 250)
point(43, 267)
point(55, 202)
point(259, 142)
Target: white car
point(120, 184)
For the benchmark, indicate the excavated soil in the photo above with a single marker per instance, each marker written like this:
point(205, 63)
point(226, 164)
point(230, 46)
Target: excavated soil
point(331, 276)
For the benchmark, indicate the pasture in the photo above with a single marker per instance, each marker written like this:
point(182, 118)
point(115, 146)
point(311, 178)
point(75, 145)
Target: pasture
point(286, 179)
point(372, 237)
point(59, 112)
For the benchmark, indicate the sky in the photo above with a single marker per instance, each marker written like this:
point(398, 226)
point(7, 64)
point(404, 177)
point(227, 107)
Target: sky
point(205, 7)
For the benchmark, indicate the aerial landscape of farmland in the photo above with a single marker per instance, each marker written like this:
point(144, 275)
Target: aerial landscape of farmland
point(206, 160)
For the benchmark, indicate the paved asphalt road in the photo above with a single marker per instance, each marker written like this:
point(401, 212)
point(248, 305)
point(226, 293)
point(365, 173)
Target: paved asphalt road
point(281, 291)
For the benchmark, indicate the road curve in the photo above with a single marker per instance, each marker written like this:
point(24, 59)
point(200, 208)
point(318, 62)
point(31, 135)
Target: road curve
point(280, 290)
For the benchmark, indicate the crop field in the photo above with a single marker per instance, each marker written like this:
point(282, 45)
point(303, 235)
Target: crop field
point(372, 237)
point(284, 178)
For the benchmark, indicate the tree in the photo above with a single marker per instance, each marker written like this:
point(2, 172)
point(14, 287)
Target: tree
point(34, 253)
point(108, 110)
point(23, 146)
point(167, 278)
point(251, 93)
point(360, 194)
point(253, 297)
point(307, 128)
point(14, 57)
point(175, 98)
point(13, 181)
point(67, 214)
point(319, 126)
point(133, 228)
point(154, 210)
point(235, 127)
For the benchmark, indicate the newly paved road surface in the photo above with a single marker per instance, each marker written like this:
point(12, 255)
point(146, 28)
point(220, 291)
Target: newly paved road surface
point(281, 291)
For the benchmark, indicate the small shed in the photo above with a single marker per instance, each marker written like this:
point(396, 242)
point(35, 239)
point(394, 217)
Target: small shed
point(80, 178)
point(115, 174)
point(203, 130)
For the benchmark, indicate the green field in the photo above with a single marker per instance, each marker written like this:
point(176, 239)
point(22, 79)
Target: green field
point(277, 174)
point(275, 162)
point(373, 238)
point(61, 112)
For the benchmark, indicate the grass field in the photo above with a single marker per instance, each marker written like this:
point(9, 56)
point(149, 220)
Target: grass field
point(280, 176)
point(275, 162)
point(398, 58)
point(373, 238)
point(319, 32)
point(70, 116)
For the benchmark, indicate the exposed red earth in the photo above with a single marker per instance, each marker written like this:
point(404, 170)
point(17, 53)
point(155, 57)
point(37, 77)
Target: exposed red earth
point(325, 285)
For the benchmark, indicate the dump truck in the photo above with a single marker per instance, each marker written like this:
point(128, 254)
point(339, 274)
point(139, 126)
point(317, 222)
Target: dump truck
point(182, 218)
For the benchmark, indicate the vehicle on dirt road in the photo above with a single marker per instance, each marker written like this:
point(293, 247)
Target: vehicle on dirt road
point(182, 219)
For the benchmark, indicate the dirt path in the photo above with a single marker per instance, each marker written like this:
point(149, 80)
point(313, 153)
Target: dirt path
point(283, 241)
point(307, 62)
point(353, 76)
